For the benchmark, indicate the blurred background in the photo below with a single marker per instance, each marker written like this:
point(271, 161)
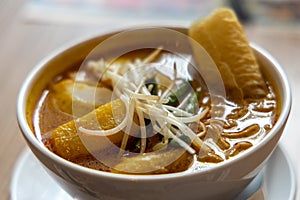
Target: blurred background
point(264, 12)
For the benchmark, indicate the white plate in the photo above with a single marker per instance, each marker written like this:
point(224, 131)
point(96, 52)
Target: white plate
point(276, 182)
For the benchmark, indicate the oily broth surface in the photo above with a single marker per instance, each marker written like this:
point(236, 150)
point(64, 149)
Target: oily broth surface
point(236, 124)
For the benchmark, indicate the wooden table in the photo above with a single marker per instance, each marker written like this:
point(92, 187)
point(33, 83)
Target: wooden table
point(23, 44)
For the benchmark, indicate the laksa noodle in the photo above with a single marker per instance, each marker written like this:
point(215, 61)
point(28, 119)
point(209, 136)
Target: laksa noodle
point(146, 113)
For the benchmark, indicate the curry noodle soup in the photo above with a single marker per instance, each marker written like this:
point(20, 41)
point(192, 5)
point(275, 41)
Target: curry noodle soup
point(147, 112)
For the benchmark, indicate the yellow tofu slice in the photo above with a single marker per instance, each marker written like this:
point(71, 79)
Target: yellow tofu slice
point(161, 161)
point(70, 143)
point(77, 98)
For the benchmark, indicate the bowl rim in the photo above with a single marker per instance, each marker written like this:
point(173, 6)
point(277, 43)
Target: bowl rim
point(30, 137)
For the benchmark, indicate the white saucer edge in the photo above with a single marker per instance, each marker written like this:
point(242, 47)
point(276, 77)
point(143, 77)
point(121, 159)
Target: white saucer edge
point(293, 173)
point(26, 153)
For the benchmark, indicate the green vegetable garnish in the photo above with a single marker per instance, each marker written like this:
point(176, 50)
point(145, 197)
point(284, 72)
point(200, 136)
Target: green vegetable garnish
point(178, 93)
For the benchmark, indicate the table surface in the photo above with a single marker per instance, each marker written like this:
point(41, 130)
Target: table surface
point(23, 44)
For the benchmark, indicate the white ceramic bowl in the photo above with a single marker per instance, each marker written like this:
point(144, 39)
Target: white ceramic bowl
point(224, 181)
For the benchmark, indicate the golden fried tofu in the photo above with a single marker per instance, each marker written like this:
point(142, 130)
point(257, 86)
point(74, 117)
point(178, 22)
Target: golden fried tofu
point(223, 37)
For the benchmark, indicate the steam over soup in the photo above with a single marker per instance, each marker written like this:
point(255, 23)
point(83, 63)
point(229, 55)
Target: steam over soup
point(146, 113)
